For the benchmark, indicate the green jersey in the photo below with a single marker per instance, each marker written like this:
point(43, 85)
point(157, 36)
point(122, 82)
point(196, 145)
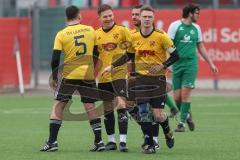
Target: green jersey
point(185, 38)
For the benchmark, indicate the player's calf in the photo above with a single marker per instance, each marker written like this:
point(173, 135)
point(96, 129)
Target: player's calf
point(174, 112)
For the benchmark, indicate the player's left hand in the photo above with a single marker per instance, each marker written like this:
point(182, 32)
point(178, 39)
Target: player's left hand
point(155, 69)
point(53, 84)
point(108, 69)
point(214, 68)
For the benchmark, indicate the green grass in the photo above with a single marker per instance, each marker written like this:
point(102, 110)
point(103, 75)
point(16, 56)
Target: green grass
point(24, 128)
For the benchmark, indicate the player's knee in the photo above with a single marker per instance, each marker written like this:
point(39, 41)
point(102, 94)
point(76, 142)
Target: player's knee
point(129, 104)
point(160, 116)
point(185, 94)
point(177, 96)
point(185, 97)
point(58, 106)
point(121, 105)
point(107, 106)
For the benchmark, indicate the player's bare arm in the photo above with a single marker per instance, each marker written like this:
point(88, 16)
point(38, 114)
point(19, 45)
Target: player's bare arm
point(203, 53)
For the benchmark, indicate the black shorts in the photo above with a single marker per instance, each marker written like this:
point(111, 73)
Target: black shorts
point(130, 83)
point(148, 89)
point(108, 91)
point(86, 88)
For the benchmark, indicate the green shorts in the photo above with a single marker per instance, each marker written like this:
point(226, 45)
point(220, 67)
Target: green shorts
point(184, 75)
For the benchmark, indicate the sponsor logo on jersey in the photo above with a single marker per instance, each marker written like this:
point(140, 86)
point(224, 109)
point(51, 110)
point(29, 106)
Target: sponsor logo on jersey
point(109, 46)
point(125, 45)
point(145, 53)
point(186, 38)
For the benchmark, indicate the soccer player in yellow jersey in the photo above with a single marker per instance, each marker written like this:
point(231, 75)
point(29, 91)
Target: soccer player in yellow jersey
point(143, 109)
point(111, 40)
point(149, 49)
point(76, 41)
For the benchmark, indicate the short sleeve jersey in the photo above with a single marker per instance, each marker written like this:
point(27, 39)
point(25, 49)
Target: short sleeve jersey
point(185, 38)
point(112, 44)
point(77, 43)
point(150, 50)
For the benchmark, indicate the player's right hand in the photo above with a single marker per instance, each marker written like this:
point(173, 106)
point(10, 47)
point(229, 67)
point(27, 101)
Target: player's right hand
point(214, 68)
point(156, 68)
point(106, 70)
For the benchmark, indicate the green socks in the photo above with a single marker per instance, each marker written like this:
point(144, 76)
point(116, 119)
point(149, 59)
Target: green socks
point(170, 102)
point(185, 107)
point(178, 105)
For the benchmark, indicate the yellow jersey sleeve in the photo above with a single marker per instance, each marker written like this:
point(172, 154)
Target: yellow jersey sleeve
point(128, 43)
point(94, 36)
point(127, 34)
point(131, 48)
point(58, 45)
point(166, 42)
point(127, 40)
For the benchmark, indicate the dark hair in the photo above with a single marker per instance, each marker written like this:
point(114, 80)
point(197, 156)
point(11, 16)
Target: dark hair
point(138, 6)
point(103, 8)
point(146, 8)
point(72, 12)
point(189, 8)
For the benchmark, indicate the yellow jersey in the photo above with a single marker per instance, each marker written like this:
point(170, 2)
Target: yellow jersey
point(77, 43)
point(134, 30)
point(150, 50)
point(112, 44)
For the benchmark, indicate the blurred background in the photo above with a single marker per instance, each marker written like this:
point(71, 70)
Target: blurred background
point(27, 32)
point(28, 28)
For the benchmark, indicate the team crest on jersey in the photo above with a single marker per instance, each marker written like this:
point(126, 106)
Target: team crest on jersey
point(109, 46)
point(152, 43)
point(125, 45)
point(115, 36)
point(192, 32)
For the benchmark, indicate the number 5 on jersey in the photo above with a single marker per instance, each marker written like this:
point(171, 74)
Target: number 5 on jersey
point(80, 44)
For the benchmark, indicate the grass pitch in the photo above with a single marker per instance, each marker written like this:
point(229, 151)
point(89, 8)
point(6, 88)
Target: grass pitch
point(24, 129)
